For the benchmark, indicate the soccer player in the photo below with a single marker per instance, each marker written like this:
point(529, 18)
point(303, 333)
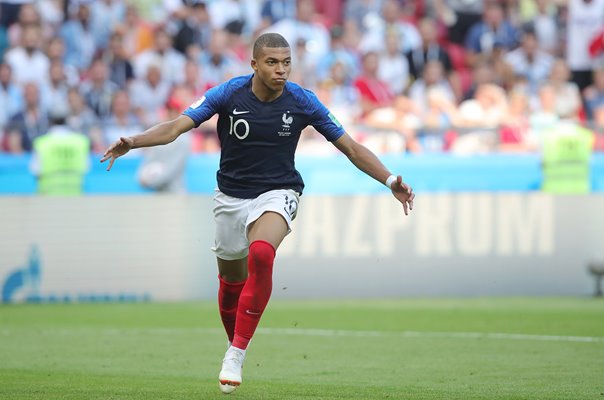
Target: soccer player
point(260, 120)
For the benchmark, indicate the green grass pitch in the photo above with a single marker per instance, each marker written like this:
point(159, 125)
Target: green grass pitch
point(483, 348)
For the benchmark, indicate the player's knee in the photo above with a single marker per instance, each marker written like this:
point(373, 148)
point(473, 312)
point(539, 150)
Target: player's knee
point(261, 253)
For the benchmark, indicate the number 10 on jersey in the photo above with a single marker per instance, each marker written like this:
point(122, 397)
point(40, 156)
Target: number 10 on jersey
point(235, 130)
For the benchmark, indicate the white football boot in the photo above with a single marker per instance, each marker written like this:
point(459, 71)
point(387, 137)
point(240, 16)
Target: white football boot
point(230, 374)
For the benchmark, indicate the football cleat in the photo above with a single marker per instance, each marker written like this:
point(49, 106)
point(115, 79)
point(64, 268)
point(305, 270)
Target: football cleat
point(230, 374)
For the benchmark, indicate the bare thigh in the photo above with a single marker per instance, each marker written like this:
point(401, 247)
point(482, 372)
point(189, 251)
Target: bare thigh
point(270, 227)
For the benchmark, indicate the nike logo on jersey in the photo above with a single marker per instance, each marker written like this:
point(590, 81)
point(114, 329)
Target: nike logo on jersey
point(235, 112)
point(252, 313)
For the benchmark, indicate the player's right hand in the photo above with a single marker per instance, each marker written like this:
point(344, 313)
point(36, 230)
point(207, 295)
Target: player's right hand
point(117, 150)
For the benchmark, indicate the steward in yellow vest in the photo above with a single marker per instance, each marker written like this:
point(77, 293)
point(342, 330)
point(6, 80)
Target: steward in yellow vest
point(567, 150)
point(62, 158)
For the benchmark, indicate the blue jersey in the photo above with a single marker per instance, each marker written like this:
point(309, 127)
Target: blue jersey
point(258, 139)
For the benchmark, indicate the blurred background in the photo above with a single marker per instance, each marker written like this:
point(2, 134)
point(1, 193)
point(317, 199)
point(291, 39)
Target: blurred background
point(492, 110)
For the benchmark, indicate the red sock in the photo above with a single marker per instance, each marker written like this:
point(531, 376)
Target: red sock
point(256, 292)
point(228, 298)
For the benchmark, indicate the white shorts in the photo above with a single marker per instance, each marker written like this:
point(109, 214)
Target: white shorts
point(233, 217)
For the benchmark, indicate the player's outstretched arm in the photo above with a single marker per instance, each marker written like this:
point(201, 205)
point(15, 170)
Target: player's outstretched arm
point(368, 162)
point(162, 133)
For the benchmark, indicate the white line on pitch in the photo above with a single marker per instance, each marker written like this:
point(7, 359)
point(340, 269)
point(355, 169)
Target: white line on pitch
point(310, 332)
point(419, 334)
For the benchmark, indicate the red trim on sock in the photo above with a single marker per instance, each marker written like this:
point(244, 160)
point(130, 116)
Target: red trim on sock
point(265, 242)
point(227, 283)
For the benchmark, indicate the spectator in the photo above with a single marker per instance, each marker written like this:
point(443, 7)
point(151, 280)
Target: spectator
point(54, 93)
point(437, 120)
point(479, 121)
point(28, 62)
point(396, 126)
point(514, 132)
point(29, 123)
point(161, 12)
point(98, 90)
point(106, 15)
point(391, 21)
point(52, 13)
point(492, 29)
point(585, 18)
point(305, 73)
point(546, 27)
point(487, 109)
point(9, 11)
point(440, 113)
point(351, 36)
point(339, 52)
point(363, 13)
point(149, 95)
point(433, 77)
point(544, 117)
point(245, 11)
point(331, 11)
point(374, 92)
point(121, 121)
point(459, 16)
point(482, 73)
point(529, 61)
point(82, 119)
point(121, 71)
point(394, 66)
point(594, 94)
point(273, 11)
point(431, 50)
point(137, 33)
point(28, 16)
point(340, 95)
point(80, 44)
point(306, 27)
point(171, 61)
point(55, 51)
point(219, 63)
point(238, 45)
point(193, 79)
point(195, 29)
point(568, 97)
point(11, 96)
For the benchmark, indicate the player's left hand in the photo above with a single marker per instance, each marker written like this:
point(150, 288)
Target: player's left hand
point(403, 193)
point(118, 149)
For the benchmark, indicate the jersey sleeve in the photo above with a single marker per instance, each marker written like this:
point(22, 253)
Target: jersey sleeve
point(323, 120)
point(208, 105)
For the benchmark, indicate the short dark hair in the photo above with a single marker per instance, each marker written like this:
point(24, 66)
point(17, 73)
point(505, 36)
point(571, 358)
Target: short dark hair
point(529, 29)
point(272, 40)
point(57, 118)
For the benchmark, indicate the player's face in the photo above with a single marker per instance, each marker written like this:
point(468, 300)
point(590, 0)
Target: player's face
point(273, 66)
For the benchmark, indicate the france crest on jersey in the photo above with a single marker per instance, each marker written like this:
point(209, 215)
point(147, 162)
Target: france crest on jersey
point(258, 139)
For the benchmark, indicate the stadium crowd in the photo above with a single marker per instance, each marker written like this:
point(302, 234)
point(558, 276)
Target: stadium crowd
point(402, 76)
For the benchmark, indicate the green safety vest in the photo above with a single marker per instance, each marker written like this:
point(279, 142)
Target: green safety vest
point(567, 152)
point(63, 160)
